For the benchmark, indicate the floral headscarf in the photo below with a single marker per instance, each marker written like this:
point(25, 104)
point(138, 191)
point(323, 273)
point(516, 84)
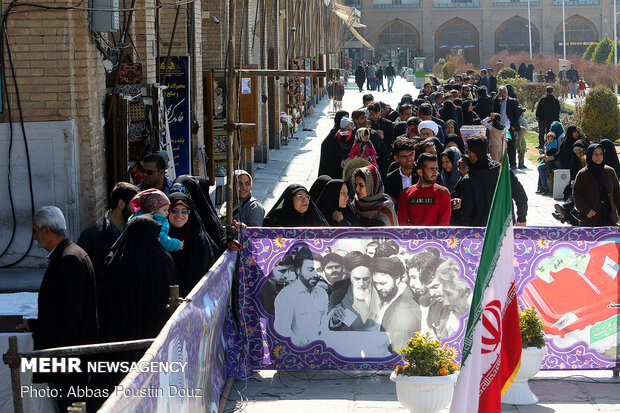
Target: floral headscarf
point(149, 200)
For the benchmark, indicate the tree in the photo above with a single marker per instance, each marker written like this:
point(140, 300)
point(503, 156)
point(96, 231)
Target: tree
point(602, 50)
point(601, 116)
point(610, 58)
point(589, 52)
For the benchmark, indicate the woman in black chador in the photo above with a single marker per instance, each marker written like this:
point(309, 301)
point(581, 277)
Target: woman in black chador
point(294, 208)
point(138, 273)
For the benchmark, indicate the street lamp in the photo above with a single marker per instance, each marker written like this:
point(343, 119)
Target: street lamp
point(529, 27)
point(615, 41)
point(564, 28)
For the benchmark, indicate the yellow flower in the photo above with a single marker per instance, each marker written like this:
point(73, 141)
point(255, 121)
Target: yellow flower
point(443, 371)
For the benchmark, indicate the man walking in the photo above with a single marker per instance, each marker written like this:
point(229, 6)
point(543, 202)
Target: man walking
point(370, 77)
point(390, 73)
point(508, 109)
point(547, 111)
point(67, 303)
point(360, 76)
point(573, 78)
point(425, 203)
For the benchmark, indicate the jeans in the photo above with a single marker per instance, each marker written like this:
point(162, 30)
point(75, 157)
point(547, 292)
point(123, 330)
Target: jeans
point(380, 85)
point(542, 175)
point(390, 82)
point(573, 89)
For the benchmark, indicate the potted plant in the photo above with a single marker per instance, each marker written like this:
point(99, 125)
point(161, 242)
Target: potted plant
point(534, 348)
point(425, 383)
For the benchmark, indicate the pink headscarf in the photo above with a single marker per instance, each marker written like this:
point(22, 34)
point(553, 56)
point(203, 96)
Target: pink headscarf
point(149, 200)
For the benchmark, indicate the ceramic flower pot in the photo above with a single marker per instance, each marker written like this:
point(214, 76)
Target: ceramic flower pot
point(520, 393)
point(421, 394)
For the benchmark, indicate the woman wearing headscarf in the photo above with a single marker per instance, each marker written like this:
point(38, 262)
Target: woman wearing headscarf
point(511, 91)
point(455, 140)
point(372, 206)
point(247, 210)
point(448, 111)
point(596, 192)
point(197, 189)
point(450, 174)
point(557, 128)
point(138, 273)
point(438, 145)
point(317, 186)
point(572, 135)
point(610, 156)
point(197, 255)
point(577, 162)
point(332, 149)
point(334, 205)
point(294, 208)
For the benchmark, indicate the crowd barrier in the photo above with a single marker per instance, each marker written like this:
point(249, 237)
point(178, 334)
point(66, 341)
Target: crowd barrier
point(569, 274)
point(195, 335)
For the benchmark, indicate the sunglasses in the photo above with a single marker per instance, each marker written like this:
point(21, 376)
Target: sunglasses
point(180, 211)
point(150, 172)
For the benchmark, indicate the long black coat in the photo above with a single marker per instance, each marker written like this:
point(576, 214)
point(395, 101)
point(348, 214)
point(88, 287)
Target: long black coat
point(67, 301)
point(512, 111)
point(360, 76)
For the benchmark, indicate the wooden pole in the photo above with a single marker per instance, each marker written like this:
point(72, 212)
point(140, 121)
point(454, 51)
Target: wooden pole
point(230, 110)
point(174, 29)
point(13, 360)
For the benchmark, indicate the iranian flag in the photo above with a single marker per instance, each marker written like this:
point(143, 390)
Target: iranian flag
point(491, 352)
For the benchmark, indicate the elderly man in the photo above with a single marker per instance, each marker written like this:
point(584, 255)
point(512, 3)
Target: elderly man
point(508, 108)
point(301, 306)
point(155, 166)
point(355, 307)
point(67, 302)
point(97, 240)
point(400, 316)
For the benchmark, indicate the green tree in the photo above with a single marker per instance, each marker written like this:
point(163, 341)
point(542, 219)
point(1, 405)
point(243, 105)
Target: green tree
point(602, 50)
point(610, 58)
point(589, 52)
point(601, 116)
point(507, 73)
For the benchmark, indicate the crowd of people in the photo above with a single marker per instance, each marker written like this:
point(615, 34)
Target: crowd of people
point(378, 166)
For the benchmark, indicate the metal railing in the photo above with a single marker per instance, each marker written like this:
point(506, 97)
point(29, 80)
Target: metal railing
point(13, 357)
point(518, 3)
point(456, 4)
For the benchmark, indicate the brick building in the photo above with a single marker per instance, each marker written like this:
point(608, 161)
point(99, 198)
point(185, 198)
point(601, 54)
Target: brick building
point(65, 83)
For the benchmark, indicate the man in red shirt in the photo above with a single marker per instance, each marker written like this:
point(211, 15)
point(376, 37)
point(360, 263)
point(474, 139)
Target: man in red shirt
point(425, 203)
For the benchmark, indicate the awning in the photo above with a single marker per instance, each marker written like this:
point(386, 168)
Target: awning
point(349, 19)
point(360, 38)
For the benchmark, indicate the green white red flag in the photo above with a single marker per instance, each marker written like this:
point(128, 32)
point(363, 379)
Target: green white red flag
point(491, 352)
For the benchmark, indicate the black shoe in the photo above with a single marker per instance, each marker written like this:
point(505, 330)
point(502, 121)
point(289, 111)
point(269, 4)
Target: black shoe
point(559, 217)
point(542, 191)
point(560, 211)
point(522, 166)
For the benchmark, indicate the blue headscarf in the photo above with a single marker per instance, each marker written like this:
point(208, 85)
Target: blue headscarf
point(449, 179)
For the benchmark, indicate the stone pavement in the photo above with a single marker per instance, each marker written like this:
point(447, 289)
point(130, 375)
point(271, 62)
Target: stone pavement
point(373, 392)
point(335, 391)
point(298, 161)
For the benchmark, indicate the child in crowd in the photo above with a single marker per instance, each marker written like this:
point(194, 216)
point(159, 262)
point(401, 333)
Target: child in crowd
point(363, 147)
point(345, 133)
point(496, 135)
point(581, 87)
point(546, 165)
point(156, 202)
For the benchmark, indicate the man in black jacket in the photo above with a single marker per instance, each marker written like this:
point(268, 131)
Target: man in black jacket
point(97, 240)
point(547, 111)
point(67, 302)
point(403, 177)
point(508, 109)
point(390, 73)
point(492, 81)
point(479, 186)
point(384, 128)
point(425, 112)
point(484, 105)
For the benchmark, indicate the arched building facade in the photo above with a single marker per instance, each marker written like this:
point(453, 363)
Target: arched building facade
point(479, 28)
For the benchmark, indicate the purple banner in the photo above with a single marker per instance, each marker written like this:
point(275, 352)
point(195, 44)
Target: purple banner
point(194, 337)
point(328, 311)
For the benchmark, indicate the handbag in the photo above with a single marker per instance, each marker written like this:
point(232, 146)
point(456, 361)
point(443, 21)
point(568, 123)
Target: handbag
point(578, 215)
